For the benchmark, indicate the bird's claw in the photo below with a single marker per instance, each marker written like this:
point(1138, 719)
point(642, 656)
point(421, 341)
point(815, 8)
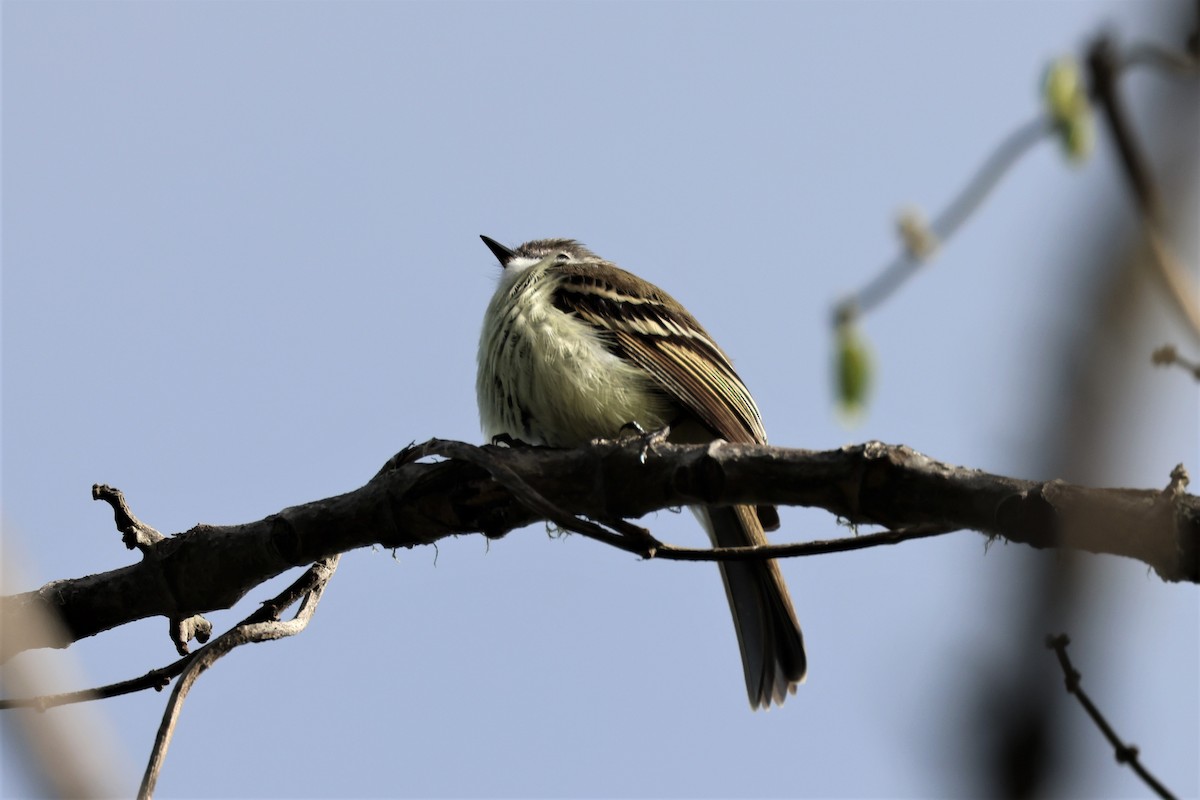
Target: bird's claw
point(507, 440)
point(649, 438)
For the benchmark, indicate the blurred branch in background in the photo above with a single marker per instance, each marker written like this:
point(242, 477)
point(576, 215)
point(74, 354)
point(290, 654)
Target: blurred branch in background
point(1068, 115)
point(75, 752)
point(1105, 64)
point(1019, 747)
point(1021, 720)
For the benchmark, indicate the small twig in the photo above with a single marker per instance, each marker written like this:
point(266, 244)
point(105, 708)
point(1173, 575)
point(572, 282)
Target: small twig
point(135, 533)
point(1009, 151)
point(1002, 159)
point(796, 549)
point(1126, 753)
point(263, 625)
point(646, 544)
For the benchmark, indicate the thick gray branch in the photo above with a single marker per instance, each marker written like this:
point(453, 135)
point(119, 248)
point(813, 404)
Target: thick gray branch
point(411, 503)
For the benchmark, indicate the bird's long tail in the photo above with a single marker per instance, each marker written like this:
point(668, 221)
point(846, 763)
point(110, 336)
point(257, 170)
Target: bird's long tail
point(767, 631)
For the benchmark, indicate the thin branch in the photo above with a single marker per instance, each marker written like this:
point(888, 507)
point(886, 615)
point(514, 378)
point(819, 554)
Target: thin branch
point(1126, 753)
point(797, 549)
point(908, 262)
point(156, 679)
point(261, 626)
point(1006, 155)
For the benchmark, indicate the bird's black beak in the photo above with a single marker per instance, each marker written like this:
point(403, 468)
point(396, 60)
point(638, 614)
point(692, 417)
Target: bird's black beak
point(502, 253)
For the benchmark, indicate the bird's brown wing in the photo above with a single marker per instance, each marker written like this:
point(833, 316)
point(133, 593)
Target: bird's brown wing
point(651, 329)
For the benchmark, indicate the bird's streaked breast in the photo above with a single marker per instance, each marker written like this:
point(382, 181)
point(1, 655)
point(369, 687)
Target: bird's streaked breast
point(549, 377)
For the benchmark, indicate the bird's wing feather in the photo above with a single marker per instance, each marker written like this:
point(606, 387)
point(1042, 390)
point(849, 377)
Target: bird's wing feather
point(651, 329)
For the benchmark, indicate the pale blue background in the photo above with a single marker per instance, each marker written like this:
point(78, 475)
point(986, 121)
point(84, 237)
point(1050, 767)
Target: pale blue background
point(241, 269)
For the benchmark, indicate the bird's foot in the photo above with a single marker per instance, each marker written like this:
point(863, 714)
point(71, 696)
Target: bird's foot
point(632, 430)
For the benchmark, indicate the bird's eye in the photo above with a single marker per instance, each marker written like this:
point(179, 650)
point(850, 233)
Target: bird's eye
point(563, 257)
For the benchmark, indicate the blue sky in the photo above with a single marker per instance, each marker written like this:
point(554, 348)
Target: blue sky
point(241, 268)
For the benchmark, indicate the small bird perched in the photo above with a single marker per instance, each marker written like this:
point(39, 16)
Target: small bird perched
point(575, 348)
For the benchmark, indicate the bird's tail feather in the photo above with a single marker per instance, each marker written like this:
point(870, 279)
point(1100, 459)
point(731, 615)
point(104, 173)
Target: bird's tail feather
point(767, 631)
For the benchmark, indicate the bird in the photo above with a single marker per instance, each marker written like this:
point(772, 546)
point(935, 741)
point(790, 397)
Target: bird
point(573, 348)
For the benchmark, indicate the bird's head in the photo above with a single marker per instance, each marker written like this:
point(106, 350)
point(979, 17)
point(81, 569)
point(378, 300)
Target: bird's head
point(539, 250)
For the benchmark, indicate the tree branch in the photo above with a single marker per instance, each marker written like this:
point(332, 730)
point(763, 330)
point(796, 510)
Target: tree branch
point(412, 503)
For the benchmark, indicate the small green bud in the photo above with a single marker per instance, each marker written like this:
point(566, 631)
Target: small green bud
point(1066, 99)
point(853, 370)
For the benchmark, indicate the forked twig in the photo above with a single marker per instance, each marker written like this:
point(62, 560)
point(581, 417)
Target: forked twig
point(263, 625)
